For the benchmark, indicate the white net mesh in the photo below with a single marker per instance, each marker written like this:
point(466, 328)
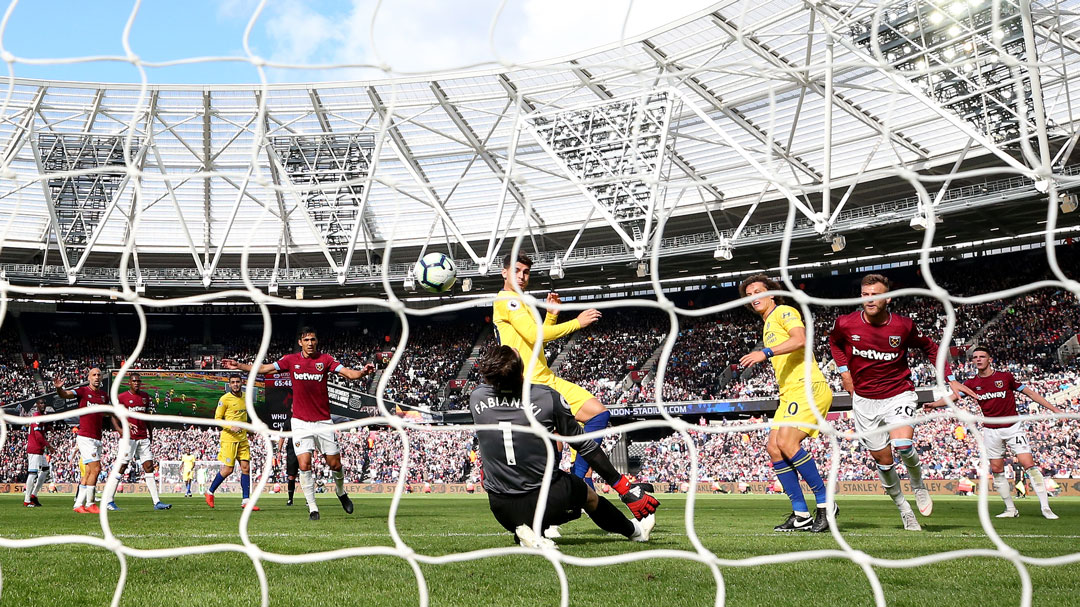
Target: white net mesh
point(747, 104)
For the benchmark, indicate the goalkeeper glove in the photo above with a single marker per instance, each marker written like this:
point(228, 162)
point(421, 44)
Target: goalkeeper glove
point(640, 503)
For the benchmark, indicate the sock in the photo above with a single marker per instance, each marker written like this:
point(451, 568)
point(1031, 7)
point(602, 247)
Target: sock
point(1038, 483)
point(339, 482)
point(151, 486)
point(31, 480)
point(307, 485)
point(906, 448)
point(611, 519)
point(292, 488)
point(581, 467)
point(245, 485)
point(807, 468)
point(890, 480)
point(790, 481)
point(80, 496)
point(43, 477)
point(187, 487)
point(217, 482)
point(107, 494)
point(90, 490)
point(1004, 489)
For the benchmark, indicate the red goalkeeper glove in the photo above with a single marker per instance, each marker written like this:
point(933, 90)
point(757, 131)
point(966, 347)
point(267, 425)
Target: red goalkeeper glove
point(640, 503)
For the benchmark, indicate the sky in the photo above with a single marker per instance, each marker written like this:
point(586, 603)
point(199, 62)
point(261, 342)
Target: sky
point(409, 35)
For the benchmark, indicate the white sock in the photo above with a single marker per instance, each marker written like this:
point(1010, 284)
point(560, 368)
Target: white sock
point(307, 485)
point(910, 457)
point(43, 477)
point(31, 480)
point(80, 497)
point(1038, 483)
point(90, 491)
point(109, 492)
point(1004, 489)
point(890, 480)
point(339, 482)
point(151, 486)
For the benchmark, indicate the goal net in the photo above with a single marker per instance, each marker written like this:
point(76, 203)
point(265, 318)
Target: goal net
point(814, 142)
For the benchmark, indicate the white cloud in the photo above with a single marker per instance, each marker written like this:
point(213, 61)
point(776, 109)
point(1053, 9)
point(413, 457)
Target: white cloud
point(430, 35)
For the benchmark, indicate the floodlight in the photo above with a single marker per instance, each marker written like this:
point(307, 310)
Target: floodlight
point(1068, 202)
point(838, 243)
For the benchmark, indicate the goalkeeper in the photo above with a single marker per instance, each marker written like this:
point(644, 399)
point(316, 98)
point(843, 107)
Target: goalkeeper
point(514, 462)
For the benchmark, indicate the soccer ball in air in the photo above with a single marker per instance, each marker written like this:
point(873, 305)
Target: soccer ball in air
point(435, 272)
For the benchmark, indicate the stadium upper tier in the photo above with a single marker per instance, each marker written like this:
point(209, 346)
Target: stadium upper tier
point(694, 123)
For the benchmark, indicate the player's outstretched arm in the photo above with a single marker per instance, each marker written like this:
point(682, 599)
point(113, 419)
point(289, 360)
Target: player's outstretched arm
point(348, 373)
point(233, 364)
point(1038, 398)
point(941, 402)
point(58, 383)
point(521, 319)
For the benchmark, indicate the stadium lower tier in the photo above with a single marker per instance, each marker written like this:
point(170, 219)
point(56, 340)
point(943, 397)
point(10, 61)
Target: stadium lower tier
point(727, 452)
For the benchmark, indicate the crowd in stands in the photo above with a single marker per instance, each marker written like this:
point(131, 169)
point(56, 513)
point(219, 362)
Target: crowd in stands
point(1025, 331)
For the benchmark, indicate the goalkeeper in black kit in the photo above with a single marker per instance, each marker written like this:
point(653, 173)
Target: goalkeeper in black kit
point(514, 462)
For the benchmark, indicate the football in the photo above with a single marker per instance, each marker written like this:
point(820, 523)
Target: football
point(435, 272)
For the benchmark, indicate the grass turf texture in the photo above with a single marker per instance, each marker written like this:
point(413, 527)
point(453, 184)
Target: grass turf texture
point(733, 527)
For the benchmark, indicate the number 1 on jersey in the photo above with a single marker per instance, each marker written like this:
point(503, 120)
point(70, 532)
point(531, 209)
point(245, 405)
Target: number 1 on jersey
point(508, 443)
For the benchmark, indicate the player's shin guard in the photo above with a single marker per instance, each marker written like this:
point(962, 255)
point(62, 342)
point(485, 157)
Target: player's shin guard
point(339, 482)
point(789, 479)
point(217, 482)
point(307, 485)
point(890, 480)
point(611, 519)
point(807, 468)
point(1004, 489)
point(1038, 483)
point(31, 482)
point(245, 485)
point(151, 486)
point(905, 447)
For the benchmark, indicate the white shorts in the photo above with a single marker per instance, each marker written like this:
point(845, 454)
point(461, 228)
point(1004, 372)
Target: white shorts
point(89, 449)
point(310, 436)
point(873, 413)
point(36, 462)
point(136, 450)
point(1013, 437)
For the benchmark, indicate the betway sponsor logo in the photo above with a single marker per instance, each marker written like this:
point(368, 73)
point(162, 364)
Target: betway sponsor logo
point(308, 376)
point(875, 354)
point(989, 395)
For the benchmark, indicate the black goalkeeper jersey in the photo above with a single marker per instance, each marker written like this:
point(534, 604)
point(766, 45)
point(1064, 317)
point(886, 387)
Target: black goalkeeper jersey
point(514, 461)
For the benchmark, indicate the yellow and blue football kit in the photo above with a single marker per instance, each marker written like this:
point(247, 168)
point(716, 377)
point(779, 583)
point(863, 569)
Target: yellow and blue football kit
point(234, 445)
point(790, 371)
point(516, 327)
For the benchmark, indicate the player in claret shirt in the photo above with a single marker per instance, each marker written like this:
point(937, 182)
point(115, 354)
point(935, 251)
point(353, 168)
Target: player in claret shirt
point(995, 391)
point(88, 439)
point(311, 410)
point(137, 448)
point(870, 348)
point(37, 465)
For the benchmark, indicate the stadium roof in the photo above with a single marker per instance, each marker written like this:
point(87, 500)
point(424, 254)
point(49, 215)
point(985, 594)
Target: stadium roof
point(748, 89)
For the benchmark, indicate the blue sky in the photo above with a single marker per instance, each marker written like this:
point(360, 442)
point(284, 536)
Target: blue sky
point(410, 35)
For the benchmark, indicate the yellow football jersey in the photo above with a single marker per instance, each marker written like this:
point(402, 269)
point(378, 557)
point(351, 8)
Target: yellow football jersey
point(515, 327)
point(788, 367)
point(187, 462)
point(231, 409)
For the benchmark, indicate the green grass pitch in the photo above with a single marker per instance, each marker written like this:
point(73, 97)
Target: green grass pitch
point(191, 397)
point(733, 527)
